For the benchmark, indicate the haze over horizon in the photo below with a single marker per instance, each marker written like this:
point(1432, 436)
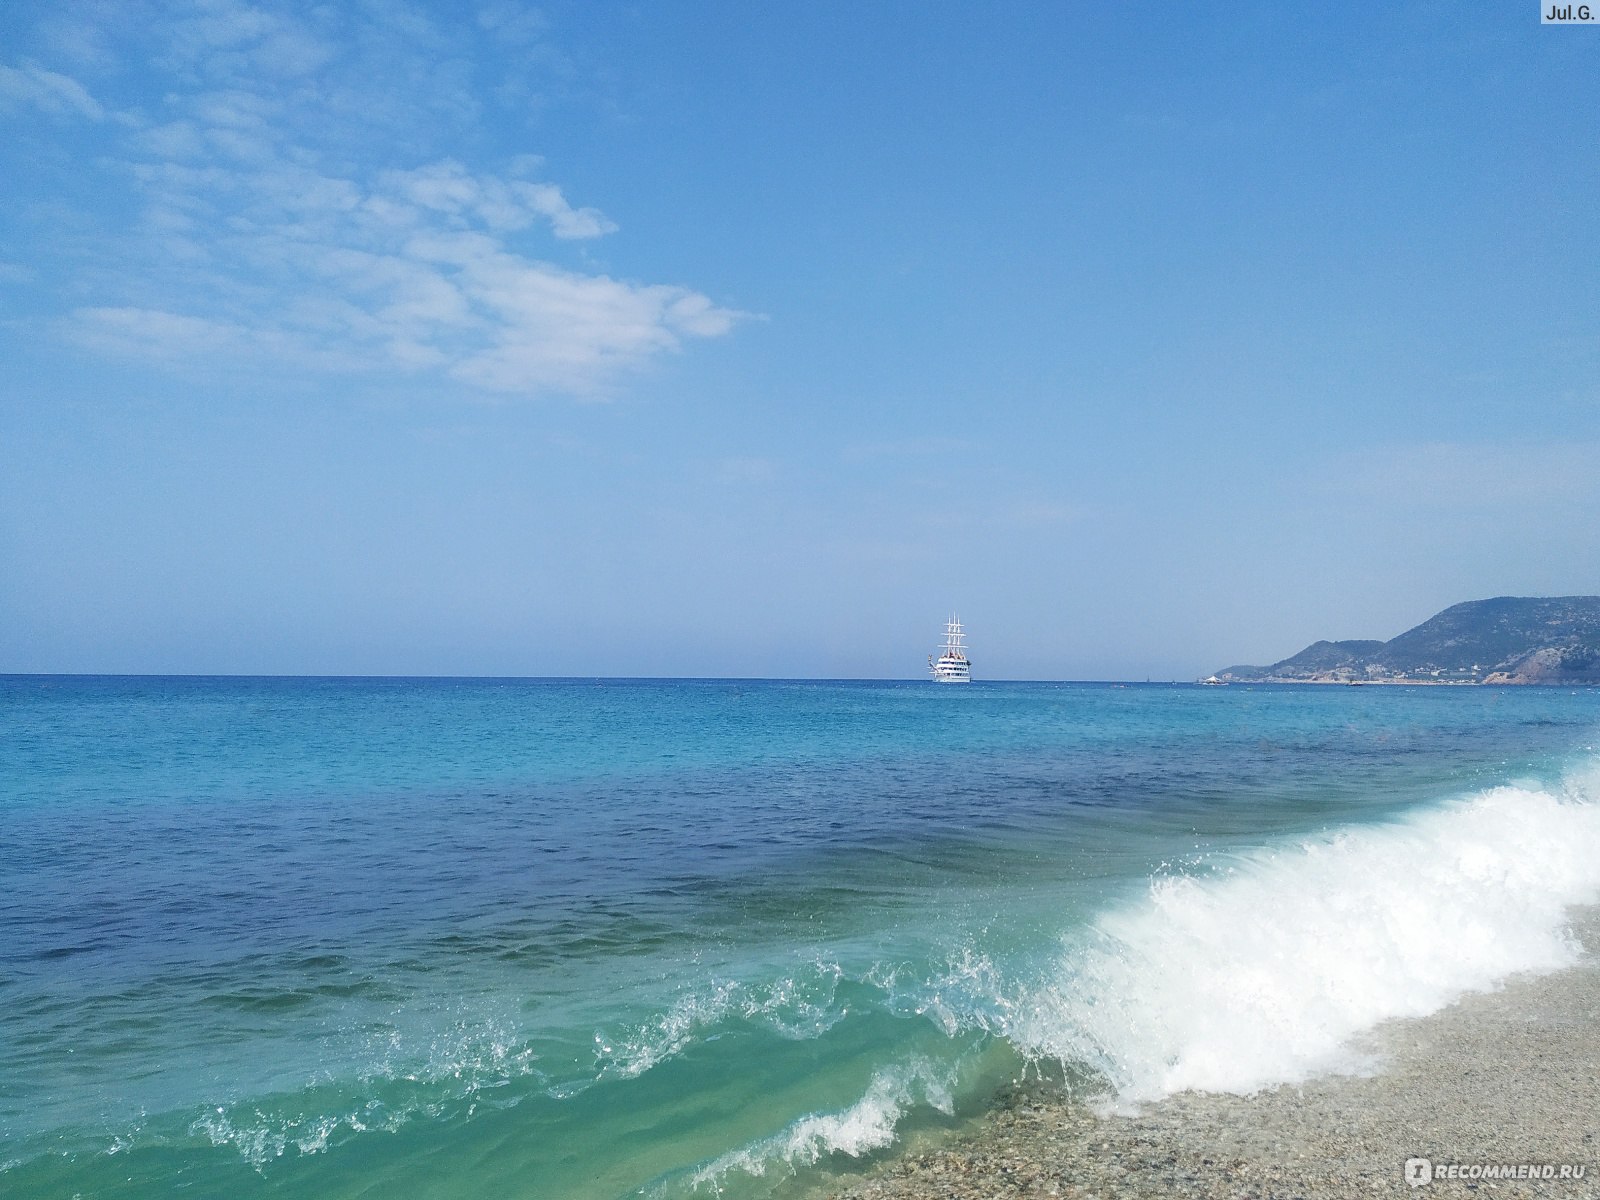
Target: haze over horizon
point(700, 340)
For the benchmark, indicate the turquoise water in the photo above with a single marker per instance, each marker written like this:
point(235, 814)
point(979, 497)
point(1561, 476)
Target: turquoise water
point(529, 938)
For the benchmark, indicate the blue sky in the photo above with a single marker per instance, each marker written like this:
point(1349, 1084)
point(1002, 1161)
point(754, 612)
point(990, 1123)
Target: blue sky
point(721, 339)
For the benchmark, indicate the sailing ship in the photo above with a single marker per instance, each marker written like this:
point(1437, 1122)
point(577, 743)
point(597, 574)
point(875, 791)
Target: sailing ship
point(952, 666)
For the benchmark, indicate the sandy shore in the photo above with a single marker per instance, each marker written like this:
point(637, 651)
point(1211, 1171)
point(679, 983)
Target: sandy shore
point(1511, 1076)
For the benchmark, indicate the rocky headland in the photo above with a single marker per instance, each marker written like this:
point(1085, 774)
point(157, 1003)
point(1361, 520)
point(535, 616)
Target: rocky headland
point(1507, 640)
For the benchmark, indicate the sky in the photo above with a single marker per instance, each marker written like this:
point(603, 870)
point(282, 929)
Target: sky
point(717, 339)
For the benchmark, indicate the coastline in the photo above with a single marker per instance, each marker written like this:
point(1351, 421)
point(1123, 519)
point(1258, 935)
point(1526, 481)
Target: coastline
point(1506, 1076)
point(1449, 683)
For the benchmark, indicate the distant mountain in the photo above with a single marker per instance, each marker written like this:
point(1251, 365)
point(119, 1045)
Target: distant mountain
point(1510, 639)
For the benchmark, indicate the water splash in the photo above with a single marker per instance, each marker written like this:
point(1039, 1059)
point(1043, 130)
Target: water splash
point(1262, 975)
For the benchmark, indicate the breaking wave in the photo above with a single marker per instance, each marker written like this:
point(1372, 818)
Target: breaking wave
point(1261, 975)
point(1257, 975)
point(865, 1126)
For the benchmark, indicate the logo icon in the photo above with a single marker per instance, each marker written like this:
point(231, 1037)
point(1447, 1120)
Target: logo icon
point(1418, 1172)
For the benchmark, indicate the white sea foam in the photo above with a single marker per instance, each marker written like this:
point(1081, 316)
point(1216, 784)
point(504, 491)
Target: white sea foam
point(260, 1135)
point(865, 1126)
point(462, 1062)
point(1263, 974)
point(800, 1004)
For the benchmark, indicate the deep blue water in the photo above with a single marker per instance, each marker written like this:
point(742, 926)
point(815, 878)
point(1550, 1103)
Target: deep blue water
point(583, 938)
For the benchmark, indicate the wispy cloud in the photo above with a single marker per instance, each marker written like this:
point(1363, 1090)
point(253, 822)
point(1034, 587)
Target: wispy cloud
point(168, 334)
point(286, 214)
point(228, 37)
point(412, 273)
point(448, 189)
point(30, 85)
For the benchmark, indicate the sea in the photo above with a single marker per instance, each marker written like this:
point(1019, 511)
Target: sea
point(595, 938)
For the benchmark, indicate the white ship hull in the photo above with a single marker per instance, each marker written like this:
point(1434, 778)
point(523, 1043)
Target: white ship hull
point(952, 670)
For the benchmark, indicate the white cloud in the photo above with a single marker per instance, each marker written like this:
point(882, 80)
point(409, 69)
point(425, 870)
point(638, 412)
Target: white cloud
point(225, 37)
point(278, 221)
point(568, 222)
point(691, 313)
point(60, 95)
point(158, 333)
point(568, 330)
point(448, 188)
point(443, 187)
point(414, 274)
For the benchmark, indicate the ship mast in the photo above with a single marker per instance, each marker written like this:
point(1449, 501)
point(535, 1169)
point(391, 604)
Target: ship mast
point(953, 637)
